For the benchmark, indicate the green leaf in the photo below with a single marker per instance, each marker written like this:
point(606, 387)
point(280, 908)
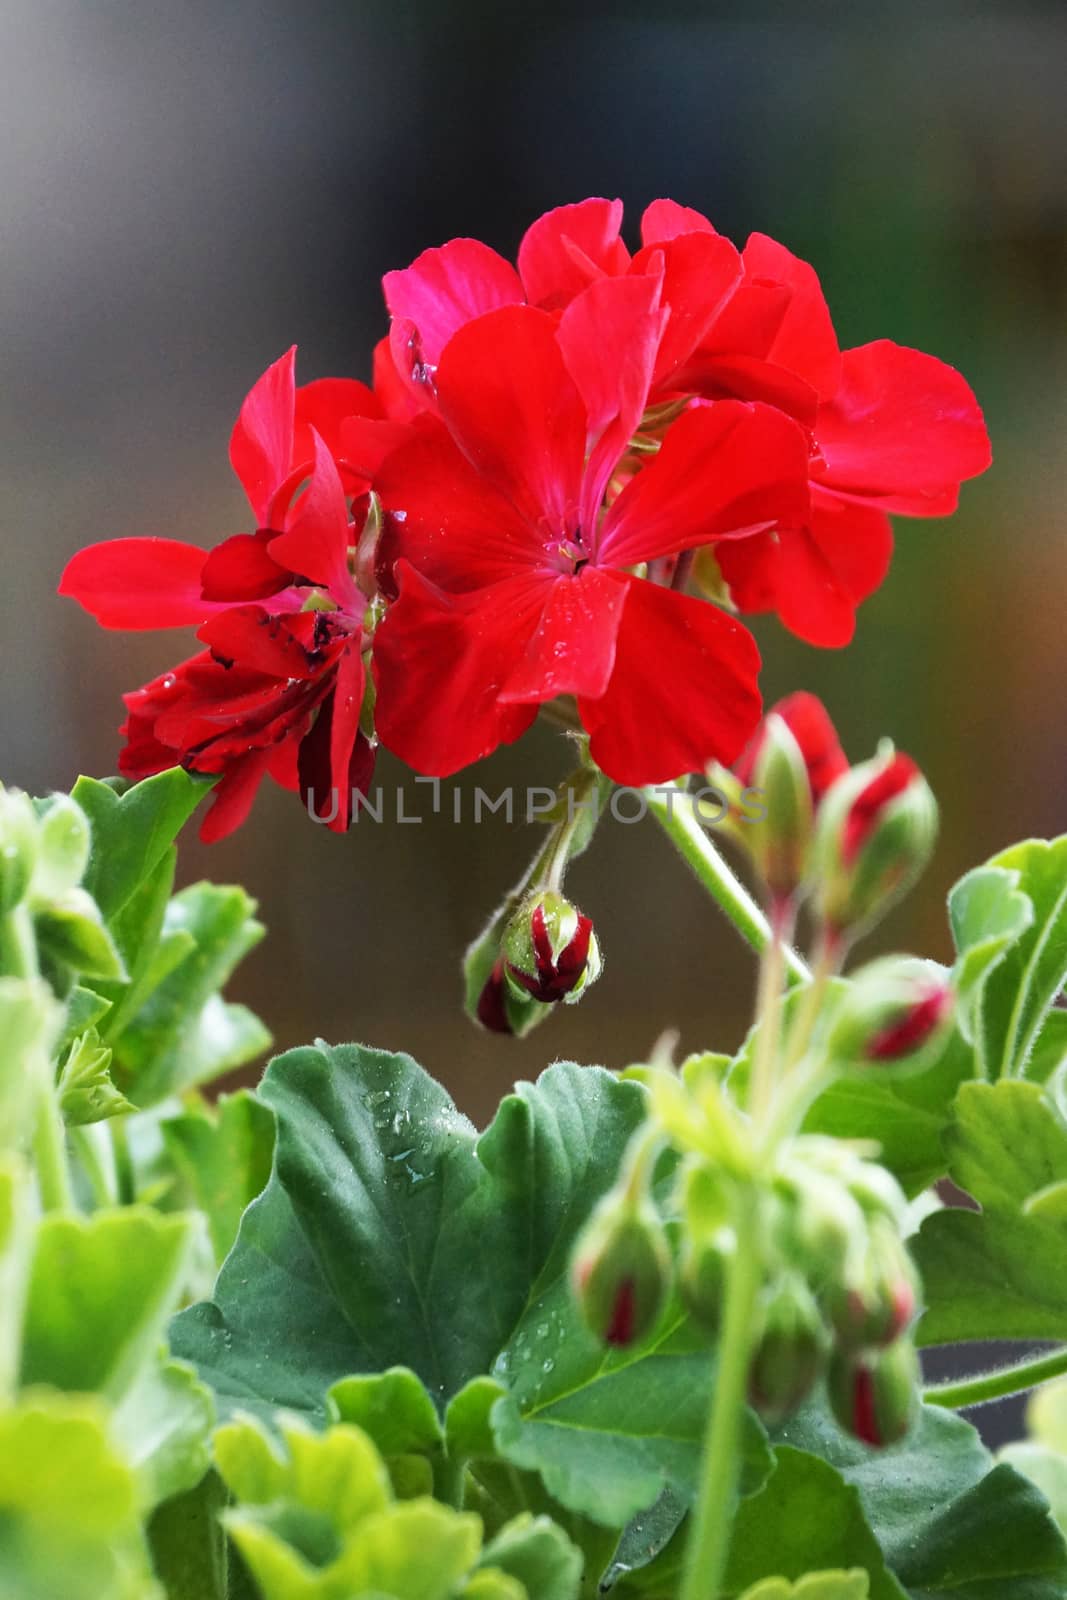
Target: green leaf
point(132, 828)
point(1045, 1468)
point(101, 1290)
point(225, 1159)
point(539, 1555)
point(86, 1091)
point(609, 1431)
point(191, 1554)
point(70, 931)
point(988, 914)
point(68, 1523)
point(16, 1251)
point(999, 1273)
point(393, 1408)
point(185, 1034)
point(813, 1586)
point(390, 1234)
point(338, 1474)
point(948, 1520)
point(163, 1427)
point(1021, 988)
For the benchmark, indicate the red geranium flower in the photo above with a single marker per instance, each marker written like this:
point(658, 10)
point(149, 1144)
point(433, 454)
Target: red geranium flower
point(892, 429)
point(279, 688)
point(517, 585)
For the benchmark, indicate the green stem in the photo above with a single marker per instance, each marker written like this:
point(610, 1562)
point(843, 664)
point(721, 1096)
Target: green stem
point(50, 1152)
point(94, 1165)
point(769, 1019)
point(826, 962)
point(998, 1384)
point(673, 810)
point(708, 1546)
point(124, 1173)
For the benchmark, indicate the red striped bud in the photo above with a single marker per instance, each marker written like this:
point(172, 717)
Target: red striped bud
point(875, 1396)
point(621, 1270)
point(550, 951)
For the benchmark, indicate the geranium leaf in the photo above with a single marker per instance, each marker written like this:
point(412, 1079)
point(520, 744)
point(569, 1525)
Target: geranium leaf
point(537, 1553)
point(163, 1425)
point(948, 1519)
point(1001, 1272)
point(225, 1158)
point(101, 1290)
point(391, 1234)
point(132, 828)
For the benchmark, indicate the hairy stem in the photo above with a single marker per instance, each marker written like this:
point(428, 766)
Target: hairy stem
point(709, 1536)
point(769, 1019)
point(999, 1383)
point(673, 810)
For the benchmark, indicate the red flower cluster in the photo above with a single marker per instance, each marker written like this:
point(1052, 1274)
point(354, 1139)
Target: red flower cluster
point(553, 456)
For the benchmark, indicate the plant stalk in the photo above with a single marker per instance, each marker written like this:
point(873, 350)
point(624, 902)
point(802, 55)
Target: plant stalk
point(708, 1548)
point(673, 810)
point(999, 1383)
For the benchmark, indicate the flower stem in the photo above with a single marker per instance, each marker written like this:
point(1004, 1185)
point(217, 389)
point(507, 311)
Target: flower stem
point(50, 1156)
point(673, 810)
point(769, 1018)
point(999, 1383)
point(708, 1548)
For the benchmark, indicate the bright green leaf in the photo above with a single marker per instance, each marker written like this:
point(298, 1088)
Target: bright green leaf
point(225, 1159)
point(539, 1555)
point(813, 1586)
point(1020, 990)
point(163, 1426)
point(70, 931)
point(86, 1091)
point(101, 1290)
point(393, 1408)
point(132, 827)
point(988, 914)
point(999, 1273)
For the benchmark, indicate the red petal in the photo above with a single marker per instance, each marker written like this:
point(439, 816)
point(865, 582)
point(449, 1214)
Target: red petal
point(447, 287)
point(348, 747)
point(139, 583)
point(447, 521)
point(439, 664)
point(814, 576)
point(572, 650)
point(325, 406)
point(609, 336)
point(513, 409)
point(241, 568)
point(261, 445)
point(570, 247)
point(315, 544)
point(231, 801)
point(805, 342)
point(684, 691)
point(665, 219)
point(281, 647)
point(367, 442)
point(395, 395)
point(902, 431)
point(809, 722)
point(701, 271)
point(724, 469)
point(871, 801)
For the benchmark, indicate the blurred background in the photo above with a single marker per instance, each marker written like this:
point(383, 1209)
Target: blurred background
point(188, 188)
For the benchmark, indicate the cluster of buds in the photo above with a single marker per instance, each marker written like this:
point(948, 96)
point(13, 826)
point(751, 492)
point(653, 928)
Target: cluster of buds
point(853, 839)
point(549, 953)
point(838, 1224)
point(838, 1292)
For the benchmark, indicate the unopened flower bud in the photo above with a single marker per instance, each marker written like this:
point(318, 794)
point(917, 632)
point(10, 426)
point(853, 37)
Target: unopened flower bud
point(702, 1276)
point(789, 1355)
point(817, 1223)
point(18, 847)
point(501, 1010)
point(876, 1301)
point(893, 1016)
point(792, 759)
point(874, 834)
point(621, 1270)
point(550, 950)
point(875, 1396)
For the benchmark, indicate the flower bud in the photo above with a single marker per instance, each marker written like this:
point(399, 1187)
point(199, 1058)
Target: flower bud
point(621, 1269)
point(876, 1300)
point(875, 1396)
point(550, 950)
point(874, 834)
point(791, 761)
point(893, 1016)
point(501, 1010)
point(18, 847)
point(789, 1355)
point(702, 1276)
point(817, 1223)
